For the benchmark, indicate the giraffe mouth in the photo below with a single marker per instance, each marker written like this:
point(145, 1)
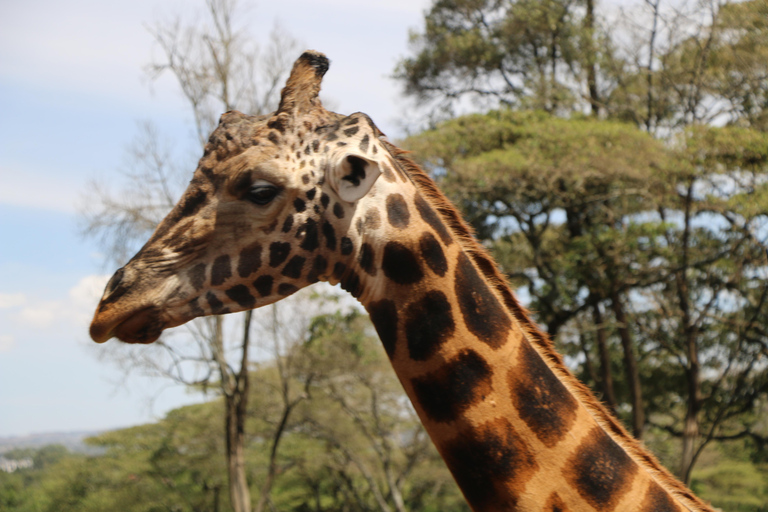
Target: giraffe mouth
point(142, 326)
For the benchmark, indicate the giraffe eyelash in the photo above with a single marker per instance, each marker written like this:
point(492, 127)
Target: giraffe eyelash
point(262, 192)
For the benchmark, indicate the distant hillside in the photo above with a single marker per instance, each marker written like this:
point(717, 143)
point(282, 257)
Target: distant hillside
point(72, 440)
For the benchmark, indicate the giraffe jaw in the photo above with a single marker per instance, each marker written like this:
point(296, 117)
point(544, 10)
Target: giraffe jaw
point(142, 326)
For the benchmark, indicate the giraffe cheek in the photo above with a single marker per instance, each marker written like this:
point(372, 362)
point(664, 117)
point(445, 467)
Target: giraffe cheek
point(221, 270)
point(249, 261)
point(329, 234)
point(216, 306)
point(196, 276)
point(309, 235)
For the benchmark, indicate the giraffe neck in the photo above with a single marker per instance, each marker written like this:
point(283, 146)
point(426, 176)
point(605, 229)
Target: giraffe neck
point(511, 423)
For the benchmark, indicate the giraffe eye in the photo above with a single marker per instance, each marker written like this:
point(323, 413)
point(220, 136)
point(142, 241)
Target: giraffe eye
point(262, 193)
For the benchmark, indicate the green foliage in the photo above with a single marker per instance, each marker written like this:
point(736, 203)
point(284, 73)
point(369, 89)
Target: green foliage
point(516, 173)
point(368, 441)
point(733, 485)
point(679, 65)
point(526, 52)
point(711, 66)
point(584, 214)
point(738, 62)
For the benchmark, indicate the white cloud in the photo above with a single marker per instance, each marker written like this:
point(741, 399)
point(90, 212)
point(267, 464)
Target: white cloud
point(76, 310)
point(85, 295)
point(11, 300)
point(6, 342)
point(42, 315)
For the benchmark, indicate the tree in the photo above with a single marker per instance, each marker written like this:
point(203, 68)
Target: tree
point(372, 452)
point(285, 379)
point(217, 68)
point(177, 463)
point(517, 175)
point(660, 65)
point(538, 54)
point(587, 244)
point(738, 69)
point(593, 218)
point(708, 310)
point(692, 63)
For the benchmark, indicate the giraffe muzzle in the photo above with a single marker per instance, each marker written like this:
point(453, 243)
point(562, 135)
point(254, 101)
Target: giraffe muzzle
point(143, 326)
point(115, 281)
point(122, 314)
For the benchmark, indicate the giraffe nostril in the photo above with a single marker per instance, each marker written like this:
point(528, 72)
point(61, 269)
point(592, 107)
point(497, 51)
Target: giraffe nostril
point(115, 281)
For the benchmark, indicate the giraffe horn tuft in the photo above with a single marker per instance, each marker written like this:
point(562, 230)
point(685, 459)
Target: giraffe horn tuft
point(300, 93)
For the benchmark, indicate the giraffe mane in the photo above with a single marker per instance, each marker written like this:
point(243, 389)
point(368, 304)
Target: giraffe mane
point(539, 339)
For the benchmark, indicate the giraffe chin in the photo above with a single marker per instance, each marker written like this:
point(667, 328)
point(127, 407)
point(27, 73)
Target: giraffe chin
point(143, 326)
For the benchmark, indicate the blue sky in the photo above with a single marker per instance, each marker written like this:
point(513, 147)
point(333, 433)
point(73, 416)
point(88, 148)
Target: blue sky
point(72, 91)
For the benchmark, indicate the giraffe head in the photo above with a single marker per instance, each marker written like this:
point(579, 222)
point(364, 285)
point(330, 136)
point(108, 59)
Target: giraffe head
point(270, 209)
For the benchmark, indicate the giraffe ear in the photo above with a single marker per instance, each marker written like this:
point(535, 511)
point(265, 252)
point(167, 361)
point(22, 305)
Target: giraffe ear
point(357, 157)
point(352, 176)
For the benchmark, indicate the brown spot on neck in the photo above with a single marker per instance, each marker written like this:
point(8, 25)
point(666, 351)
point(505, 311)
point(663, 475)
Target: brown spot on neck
point(491, 463)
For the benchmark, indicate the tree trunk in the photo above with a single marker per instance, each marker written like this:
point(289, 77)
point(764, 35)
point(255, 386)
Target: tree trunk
point(216, 498)
point(690, 333)
point(272, 469)
point(289, 404)
point(589, 23)
point(239, 494)
point(650, 121)
point(588, 359)
point(691, 424)
point(235, 390)
point(394, 491)
point(630, 366)
point(606, 376)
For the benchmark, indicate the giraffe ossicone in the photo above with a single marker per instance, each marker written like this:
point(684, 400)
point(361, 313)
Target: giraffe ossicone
point(279, 202)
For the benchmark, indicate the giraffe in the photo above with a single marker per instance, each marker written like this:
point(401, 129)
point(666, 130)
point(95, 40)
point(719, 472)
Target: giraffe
point(281, 201)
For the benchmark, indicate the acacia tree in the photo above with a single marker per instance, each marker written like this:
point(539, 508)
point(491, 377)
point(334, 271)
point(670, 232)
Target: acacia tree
point(579, 245)
point(538, 54)
point(708, 311)
point(174, 463)
point(599, 219)
point(217, 68)
point(285, 379)
point(553, 212)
